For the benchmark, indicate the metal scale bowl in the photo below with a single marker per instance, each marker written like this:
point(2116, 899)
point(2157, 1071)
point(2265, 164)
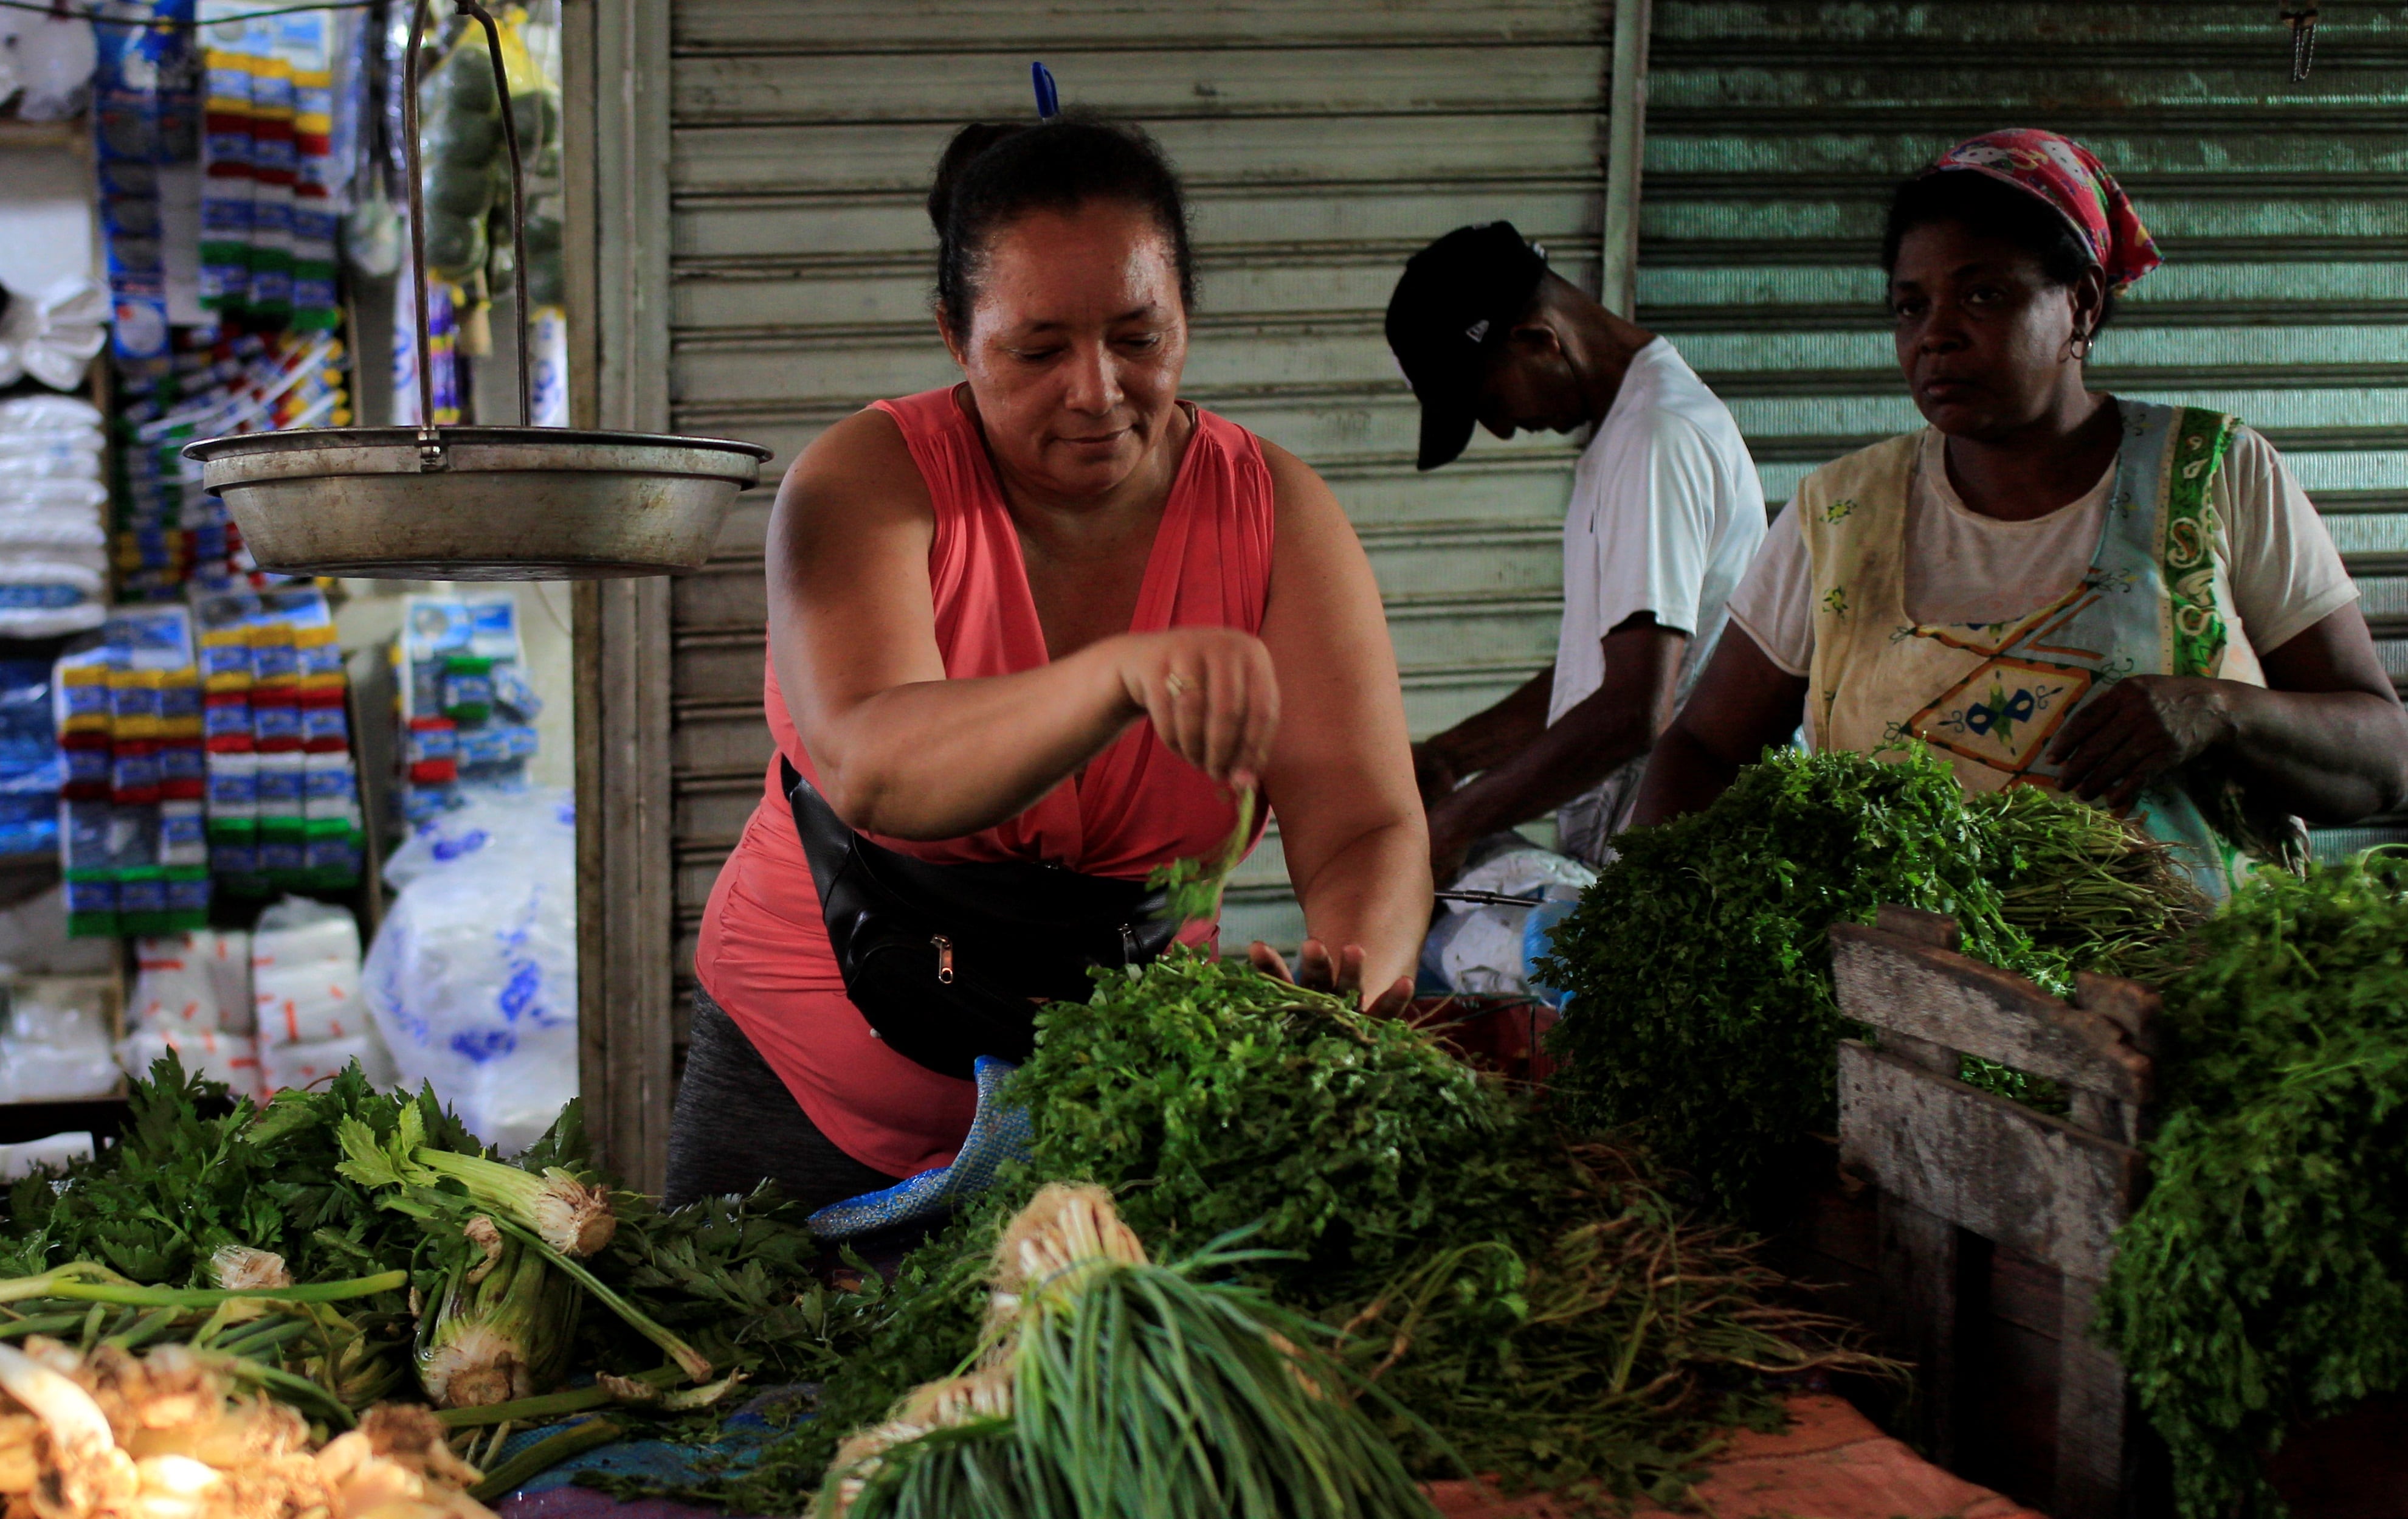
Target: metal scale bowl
point(475, 503)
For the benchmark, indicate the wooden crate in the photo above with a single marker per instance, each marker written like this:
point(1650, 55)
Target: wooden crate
point(1973, 1234)
point(1993, 1221)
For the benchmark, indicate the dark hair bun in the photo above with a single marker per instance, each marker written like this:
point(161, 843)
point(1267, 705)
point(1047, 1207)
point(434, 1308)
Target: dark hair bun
point(966, 144)
point(991, 175)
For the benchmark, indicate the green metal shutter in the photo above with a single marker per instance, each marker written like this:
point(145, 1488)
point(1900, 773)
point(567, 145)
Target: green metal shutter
point(1323, 143)
point(1776, 132)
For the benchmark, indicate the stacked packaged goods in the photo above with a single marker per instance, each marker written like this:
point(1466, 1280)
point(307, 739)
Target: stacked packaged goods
point(283, 790)
point(467, 711)
point(29, 761)
point(170, 535)
point(145, 140)
point(192, 995)
point(53, 559)
point(128, 716)
point(267, 211)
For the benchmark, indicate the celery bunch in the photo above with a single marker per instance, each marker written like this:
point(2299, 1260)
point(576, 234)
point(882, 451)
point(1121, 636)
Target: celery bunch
point(535, 1223)
point(502, 1329)
point(568, 1213)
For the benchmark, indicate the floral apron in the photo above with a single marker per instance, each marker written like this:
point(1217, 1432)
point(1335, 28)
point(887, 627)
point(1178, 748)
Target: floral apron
point(1990, 699)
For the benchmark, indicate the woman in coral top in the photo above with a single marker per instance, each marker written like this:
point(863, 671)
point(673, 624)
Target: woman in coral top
point(1051, 616)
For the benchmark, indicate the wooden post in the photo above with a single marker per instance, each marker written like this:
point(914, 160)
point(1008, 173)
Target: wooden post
point(1918, 1276)
point(2091, 1412)
point(615, 168)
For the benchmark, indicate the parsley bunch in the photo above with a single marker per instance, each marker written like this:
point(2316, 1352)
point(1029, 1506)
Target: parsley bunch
point(1702, 1013)
point(1701, 973)
point(2264, 1281)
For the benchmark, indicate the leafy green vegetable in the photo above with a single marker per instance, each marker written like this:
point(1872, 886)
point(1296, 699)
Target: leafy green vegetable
point(1507, 1286)
point(1702, 1012)
point(572, 1216)
point(2093, 891)
point(1114, 1385)
point(196, 1174)
point(734, 1277)
point(2264, 1280)
point(501, 1330)
point(1192, 888)
point(1700, 976)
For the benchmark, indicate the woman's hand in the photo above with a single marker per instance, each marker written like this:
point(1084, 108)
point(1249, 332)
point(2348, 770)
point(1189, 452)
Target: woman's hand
point(1345, 977)
point(2139, 730)
point(1210, 693)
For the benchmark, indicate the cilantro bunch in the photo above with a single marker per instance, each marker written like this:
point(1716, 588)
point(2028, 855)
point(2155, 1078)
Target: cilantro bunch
point(2264, 1280)
point(1223, 1099)
point(1700, 971)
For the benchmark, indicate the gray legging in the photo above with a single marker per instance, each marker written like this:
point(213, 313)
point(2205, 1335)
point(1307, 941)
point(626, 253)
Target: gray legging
point(737, 1125)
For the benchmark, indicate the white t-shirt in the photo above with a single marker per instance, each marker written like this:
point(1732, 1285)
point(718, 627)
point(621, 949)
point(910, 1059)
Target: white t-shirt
point(1665, 515)
point(2275, 564)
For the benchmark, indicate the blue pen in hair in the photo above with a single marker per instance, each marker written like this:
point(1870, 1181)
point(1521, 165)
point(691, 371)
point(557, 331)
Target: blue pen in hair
point(1049, 102)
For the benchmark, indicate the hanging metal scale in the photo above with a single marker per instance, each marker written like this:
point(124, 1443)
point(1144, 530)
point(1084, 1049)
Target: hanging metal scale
point(467, 503)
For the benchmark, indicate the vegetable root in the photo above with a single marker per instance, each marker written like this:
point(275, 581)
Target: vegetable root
point(113, 1435)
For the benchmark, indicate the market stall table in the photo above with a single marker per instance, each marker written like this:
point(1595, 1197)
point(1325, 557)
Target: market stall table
point(1830, 1463)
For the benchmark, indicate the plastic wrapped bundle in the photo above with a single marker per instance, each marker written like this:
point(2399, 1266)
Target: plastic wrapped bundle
point(472, 980)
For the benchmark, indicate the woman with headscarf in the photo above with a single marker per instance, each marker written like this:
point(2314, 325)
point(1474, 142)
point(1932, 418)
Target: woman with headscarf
point(2048, 585)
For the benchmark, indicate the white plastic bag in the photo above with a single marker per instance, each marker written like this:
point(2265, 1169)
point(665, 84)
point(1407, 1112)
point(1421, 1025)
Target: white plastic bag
point(172, 985)
point(1483, 949)
point(55, 1152)
point(487, 824)
point(305, 974)
point(195, 979)
point(54, 1047)
point(472, 980)
point(231, 1058)
point(282, 1065)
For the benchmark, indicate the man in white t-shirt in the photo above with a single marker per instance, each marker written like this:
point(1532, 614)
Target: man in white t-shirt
point(1666, 514)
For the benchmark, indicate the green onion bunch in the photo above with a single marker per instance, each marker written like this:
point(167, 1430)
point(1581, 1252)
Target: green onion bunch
point(1111, 1386)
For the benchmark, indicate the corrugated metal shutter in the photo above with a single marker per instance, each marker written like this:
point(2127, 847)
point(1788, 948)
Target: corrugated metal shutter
point(1323, 142)
point(1776, 131)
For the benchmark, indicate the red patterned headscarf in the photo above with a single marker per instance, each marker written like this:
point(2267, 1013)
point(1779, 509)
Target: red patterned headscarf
point(2069, 177)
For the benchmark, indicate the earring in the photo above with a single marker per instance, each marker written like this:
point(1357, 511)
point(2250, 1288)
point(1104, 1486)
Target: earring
point(2077, 347)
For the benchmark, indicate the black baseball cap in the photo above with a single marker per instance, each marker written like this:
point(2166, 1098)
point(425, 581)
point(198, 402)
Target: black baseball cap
point(1456, 301)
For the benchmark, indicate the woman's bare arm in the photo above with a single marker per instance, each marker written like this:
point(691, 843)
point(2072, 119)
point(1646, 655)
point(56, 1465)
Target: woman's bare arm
point(1341, 777)
point(1742, 705)
point(2324, 738)
point(904, 752)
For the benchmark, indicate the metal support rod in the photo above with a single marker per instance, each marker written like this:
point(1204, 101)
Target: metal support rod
point(425, 365)
point(418, 220)
point(518, 204)
point(1626, 135)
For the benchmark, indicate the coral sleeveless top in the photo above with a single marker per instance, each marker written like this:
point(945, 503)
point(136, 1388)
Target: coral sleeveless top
point(763, 954)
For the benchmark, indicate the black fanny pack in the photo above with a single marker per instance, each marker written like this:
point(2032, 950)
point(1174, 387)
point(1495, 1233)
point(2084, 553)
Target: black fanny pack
point(948, 961)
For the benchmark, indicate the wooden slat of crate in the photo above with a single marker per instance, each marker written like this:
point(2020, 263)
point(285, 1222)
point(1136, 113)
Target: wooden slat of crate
point(1931, 994)
point(2032, 1183)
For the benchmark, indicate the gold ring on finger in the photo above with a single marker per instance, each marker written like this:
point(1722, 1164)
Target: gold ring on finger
point(1176, 683)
